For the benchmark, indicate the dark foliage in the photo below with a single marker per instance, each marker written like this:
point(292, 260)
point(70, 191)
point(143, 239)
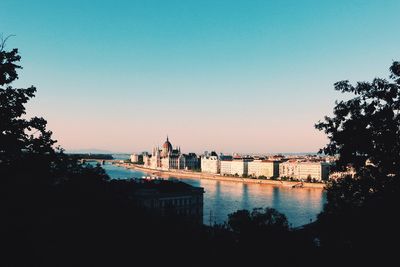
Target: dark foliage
point(260, 228)
point(365, 133)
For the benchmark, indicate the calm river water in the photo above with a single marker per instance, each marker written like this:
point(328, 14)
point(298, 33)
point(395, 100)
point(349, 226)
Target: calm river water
point(300, 205)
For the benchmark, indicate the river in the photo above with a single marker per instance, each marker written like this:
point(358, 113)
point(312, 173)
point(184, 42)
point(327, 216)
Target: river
point(300, 205)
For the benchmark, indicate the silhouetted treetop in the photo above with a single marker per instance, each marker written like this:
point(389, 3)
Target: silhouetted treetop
point(244, 221)
point(18, 136)
point(8, 66)
point(365, 133)
point(26, 145)
point(366, 127)
point(395, 71)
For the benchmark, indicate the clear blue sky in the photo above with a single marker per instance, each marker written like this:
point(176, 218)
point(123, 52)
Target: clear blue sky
point(235, 76)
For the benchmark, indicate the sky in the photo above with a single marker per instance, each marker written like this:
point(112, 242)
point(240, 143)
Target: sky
point(231, 76)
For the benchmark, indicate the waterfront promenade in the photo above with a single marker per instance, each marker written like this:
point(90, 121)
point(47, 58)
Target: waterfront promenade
point(201, 175)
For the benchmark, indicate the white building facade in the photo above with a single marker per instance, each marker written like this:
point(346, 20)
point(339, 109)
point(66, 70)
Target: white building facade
point(266, 168)
point(234, 167)
point(239, 167)
point(225, 167)
point(210, 164)
point(134, 158)
point(305, 170)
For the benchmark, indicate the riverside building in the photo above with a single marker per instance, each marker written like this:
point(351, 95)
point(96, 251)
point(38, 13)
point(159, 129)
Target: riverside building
point(136, 158)
point(266, 168)
point(303, 170)
point(210, 164)
point(166, 197)
point(235, 167)
point(225, 167)
point(168, 158)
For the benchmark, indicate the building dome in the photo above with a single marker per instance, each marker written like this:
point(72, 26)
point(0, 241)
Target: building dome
point(167, 147)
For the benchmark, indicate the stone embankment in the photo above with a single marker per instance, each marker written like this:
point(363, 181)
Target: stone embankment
point(200, 175)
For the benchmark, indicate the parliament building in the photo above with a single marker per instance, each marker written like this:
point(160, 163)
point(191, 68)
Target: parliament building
point(168, 158)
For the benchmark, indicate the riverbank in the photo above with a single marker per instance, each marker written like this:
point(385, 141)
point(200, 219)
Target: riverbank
point(200, 175)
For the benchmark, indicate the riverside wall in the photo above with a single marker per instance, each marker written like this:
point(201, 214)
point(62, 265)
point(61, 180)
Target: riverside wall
point(201, 175)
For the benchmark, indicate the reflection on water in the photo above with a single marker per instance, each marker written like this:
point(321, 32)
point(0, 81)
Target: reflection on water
point(121, 173)
point(300, 205)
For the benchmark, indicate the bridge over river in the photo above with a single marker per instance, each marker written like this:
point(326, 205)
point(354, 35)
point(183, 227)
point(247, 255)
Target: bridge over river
point(101, 161)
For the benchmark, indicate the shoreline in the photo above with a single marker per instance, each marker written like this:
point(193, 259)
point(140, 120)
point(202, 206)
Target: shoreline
point(209, 176)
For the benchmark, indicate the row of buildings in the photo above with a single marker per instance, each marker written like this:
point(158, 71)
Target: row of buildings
point(265, 168)
point(299, 168)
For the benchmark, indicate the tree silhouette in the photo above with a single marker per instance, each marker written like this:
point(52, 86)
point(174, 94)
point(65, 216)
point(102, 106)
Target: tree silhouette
point(365, 134)
point(245, 221)
point(260, 230)
point(27, 150)
point(21, 140)
point(37, 181)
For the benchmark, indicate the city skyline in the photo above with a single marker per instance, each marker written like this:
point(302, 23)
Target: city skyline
point(230, 76)
point(182, 148)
